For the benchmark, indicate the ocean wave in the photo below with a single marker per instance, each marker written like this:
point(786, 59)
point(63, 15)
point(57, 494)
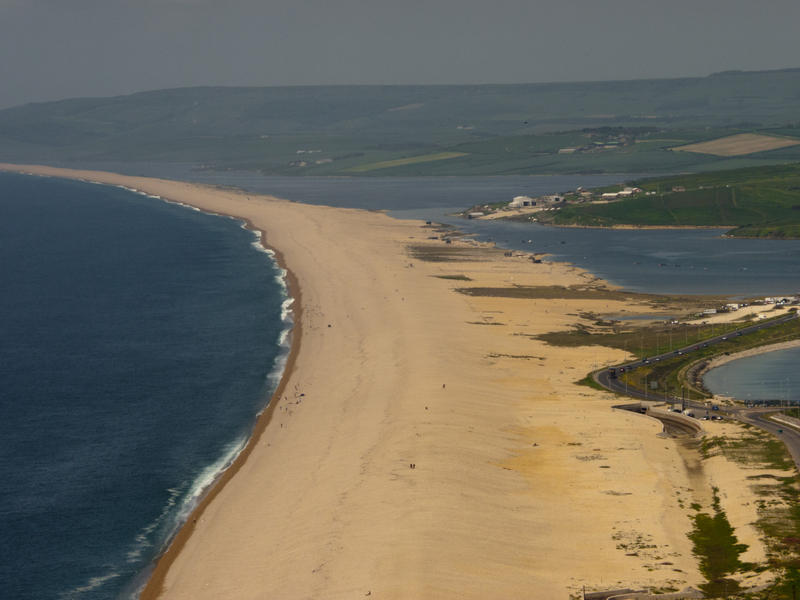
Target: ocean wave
point(286, 310)
point(257, 243)
point(204, 480)
point(185, 497)
point(143, 539)
point(93, 584)
point(135, 191)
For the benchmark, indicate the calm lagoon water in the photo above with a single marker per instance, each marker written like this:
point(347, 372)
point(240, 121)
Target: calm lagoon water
point(659, 261)
point(770, 376)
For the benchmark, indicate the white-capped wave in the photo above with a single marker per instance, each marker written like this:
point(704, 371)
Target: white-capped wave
point(280, 364)
point(91, 585)
point(205, 479)
point(186, 498)
point(133, 189)
point(257, 242)
point(143, 539)
point(286, 310)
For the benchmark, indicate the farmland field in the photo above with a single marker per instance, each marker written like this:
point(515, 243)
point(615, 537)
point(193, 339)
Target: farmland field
point(388, 164)
point(738, 145)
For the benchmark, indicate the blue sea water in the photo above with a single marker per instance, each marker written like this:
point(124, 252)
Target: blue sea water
point(138, 342)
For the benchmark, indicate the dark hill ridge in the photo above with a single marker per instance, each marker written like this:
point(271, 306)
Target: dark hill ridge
point(352, 126)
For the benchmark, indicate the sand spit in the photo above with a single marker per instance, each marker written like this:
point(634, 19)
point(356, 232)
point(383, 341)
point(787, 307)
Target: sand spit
point(423, 443)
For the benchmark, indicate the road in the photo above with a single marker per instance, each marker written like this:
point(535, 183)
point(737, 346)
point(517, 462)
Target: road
point(758, 417)
point(607, 378)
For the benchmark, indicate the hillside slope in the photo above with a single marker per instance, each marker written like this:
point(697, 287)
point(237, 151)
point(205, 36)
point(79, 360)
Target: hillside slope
point(484, 129)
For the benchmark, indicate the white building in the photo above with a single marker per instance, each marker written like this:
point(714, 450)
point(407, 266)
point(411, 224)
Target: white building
point(521, 201)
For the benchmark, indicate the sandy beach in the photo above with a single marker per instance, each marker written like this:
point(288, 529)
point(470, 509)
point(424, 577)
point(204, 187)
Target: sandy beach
point(423, 443)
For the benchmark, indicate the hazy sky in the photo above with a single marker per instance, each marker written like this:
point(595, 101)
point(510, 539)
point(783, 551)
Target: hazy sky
point(52, 49)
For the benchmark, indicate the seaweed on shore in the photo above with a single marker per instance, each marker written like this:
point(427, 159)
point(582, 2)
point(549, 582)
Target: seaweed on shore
point(718, 551)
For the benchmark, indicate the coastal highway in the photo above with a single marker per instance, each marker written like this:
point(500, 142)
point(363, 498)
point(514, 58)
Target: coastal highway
point(758, 417)
point(610, 382)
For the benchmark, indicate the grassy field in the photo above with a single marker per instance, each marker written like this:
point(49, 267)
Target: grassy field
point(737, 145)
point(399, 162)
point(756, 202)
point(777, 507)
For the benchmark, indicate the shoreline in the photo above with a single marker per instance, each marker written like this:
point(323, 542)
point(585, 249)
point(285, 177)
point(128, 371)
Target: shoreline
point(158, 568)
point(155, 583)
point(430, 456)
point(619, 226)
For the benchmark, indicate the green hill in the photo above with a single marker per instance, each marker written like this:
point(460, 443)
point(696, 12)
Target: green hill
point(389, 130)
point(757, 202)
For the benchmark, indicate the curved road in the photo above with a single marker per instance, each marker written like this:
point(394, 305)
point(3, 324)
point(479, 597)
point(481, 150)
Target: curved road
point(757, 417)
point(610, 382)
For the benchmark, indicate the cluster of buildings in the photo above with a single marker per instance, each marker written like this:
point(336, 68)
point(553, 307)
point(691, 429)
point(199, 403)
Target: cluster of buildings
point(579, 195)
point(527, 204)
point(602, 140)
point(768, 301)
point(623, 193)
point(779, 301)
point(527, 201)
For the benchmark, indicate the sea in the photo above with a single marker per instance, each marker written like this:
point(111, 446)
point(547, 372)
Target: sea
point(139, 340)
